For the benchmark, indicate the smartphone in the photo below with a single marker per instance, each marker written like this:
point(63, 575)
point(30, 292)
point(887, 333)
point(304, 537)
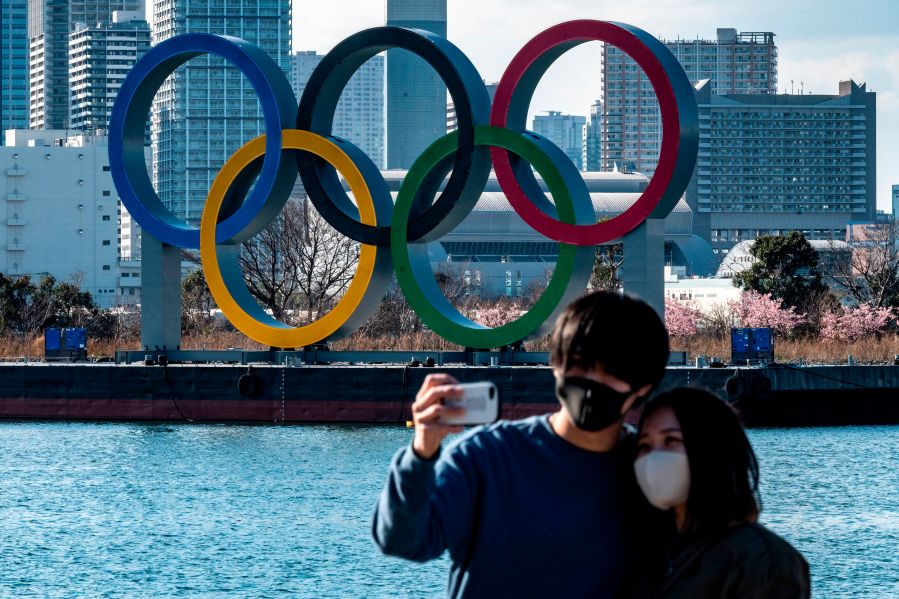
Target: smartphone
point(481, 403)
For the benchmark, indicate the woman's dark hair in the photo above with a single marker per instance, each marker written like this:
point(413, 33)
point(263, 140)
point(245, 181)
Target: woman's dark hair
point(724, 472)
point(620, 333)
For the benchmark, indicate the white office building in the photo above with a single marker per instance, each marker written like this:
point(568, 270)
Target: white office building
point(703, 295)
point(60, 211)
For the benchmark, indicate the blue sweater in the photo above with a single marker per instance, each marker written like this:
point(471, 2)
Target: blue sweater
point(522, 512)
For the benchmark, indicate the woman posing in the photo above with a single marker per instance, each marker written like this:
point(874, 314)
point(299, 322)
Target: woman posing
point(694, 459)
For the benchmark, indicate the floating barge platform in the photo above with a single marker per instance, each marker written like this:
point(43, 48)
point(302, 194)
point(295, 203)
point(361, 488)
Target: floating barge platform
point(774, 395)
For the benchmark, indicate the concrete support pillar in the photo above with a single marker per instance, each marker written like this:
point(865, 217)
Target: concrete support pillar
point(643, 269)
point(160, 315)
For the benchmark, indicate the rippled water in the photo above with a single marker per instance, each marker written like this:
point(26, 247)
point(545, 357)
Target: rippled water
point(116, 510)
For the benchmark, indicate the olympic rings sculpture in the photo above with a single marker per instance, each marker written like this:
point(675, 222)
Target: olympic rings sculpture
point(393, 238)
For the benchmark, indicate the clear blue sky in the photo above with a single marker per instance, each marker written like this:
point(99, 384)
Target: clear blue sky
point(820, 42)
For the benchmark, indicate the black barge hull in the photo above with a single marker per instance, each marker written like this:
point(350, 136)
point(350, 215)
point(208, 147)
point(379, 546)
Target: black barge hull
point(772, 396)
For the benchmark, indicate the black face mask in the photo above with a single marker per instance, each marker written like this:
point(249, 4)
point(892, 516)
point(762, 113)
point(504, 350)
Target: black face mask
point(592, 405)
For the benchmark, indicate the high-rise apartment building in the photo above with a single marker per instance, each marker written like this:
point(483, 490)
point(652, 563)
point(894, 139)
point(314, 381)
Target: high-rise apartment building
point(773, 163)
point(564, 130)
point(360, 111)
point(416, 96)
point(207, 109)
point(895, 201)
point(100, 56)
point(592, 145)
point(734, 63)
point(13, 64)
point(49, 25)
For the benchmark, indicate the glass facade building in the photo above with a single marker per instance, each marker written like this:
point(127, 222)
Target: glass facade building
point(13, 64)
point(452, 121)
point(49, 24)
point(734, 63)
point(207, 109)
point(416, 96)
point(100, 57)
point(360, 111)
point(564, 130)
point(592, 157)
point(773, 163)
point(895, 201)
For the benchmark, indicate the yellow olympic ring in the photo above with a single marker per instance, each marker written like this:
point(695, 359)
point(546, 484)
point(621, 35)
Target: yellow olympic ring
point(242, 310)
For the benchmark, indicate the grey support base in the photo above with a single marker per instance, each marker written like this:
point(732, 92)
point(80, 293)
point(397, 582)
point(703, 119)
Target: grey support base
point(643, 269)
point(160, 319)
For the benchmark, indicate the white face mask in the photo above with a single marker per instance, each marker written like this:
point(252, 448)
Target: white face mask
point(664, 477)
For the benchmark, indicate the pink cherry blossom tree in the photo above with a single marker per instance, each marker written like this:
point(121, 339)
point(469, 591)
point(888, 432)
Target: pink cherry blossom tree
point(680, 318)
point(761, 310)
point(496, 314)
point(849, 324)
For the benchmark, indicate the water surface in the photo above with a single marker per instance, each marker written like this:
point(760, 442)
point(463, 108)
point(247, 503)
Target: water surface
point(133, 510)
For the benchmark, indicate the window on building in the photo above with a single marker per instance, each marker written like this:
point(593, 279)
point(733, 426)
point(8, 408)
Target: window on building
point(105, 242)
point(106, 267)
point(106, 193)
point(105, 217)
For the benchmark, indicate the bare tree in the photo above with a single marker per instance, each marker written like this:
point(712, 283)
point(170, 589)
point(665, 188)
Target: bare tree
point(298, 262)
point(869, 271)
point(717, 321)
point(606, 265)
point(394, 317)
point(196, 304)
point(270, 260)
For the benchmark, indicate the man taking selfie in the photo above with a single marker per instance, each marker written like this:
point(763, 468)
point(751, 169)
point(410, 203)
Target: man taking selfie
point(548, 505)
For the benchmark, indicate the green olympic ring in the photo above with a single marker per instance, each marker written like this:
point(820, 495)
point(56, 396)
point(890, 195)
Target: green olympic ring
point(413, 268)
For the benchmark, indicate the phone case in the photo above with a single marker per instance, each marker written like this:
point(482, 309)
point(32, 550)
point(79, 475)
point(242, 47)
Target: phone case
point(482, 406)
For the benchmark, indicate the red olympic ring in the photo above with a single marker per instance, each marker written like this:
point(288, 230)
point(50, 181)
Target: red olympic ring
point(511, 103)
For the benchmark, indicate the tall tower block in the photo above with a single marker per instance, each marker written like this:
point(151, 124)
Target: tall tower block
point(416, 96)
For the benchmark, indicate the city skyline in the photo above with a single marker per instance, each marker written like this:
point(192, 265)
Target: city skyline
point(819, 43)
point(50, 22)
point(733, 63)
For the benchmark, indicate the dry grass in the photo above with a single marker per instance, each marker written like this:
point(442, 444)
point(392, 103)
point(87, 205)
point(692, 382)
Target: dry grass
point(869, 350)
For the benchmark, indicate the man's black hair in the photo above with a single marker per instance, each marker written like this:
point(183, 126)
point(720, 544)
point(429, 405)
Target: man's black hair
point(621, 334)
point(724, 472)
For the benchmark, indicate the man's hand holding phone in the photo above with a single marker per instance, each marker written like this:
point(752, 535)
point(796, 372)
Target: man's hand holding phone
point(443, 406)
point(428, 411)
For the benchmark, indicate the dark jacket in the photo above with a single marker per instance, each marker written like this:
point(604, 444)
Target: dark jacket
point(521, 512)
point(746, 561)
